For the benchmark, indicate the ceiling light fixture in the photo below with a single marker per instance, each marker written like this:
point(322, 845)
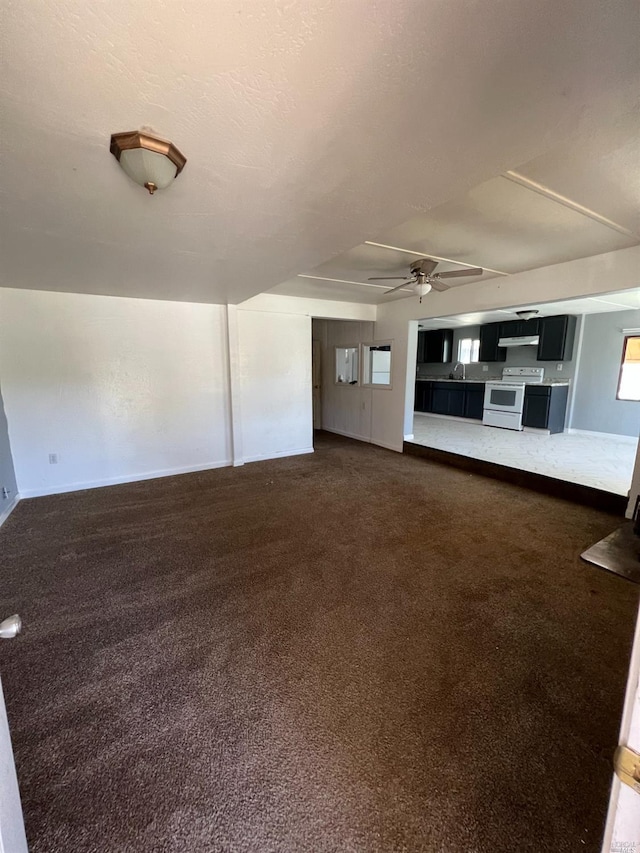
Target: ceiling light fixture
point(421, 287)
point(528, 314)
point(151, 162)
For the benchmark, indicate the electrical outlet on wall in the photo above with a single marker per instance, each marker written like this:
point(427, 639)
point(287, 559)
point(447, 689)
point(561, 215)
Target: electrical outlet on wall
point(485, 368)
point(559, 366)
point(5, 493)
point(53, 459)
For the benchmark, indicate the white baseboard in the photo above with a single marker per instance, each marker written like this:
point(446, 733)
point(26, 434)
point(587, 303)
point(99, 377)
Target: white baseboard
point(630, 439)
point(279, 454)
point(116, 481)
point(6, 511)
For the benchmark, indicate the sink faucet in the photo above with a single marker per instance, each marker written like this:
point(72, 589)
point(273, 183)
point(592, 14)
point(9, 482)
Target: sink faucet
point(456, 366)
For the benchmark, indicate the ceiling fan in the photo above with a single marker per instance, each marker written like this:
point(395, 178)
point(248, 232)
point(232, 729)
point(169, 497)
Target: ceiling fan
point(422, 277)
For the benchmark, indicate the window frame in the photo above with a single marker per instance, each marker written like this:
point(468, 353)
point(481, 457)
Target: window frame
point(474, 342)
point(627, 338)
point(367, 345)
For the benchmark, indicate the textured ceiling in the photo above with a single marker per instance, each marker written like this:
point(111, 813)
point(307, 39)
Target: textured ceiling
point(580, 199)
point(308, 127)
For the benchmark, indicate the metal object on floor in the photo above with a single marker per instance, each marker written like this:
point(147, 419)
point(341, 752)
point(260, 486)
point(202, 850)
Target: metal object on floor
point(619, 552)
point(10, 627)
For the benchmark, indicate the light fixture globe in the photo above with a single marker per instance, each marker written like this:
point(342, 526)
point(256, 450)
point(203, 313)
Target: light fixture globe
point(422, 288)
point(151, 162)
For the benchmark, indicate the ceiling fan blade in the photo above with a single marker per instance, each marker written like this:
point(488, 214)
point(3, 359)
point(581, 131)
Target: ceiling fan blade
point(397, 287)
point(390, 278)
point(460, 273)
point(438, 285)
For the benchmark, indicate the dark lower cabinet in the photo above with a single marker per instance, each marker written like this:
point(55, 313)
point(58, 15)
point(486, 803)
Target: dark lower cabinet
point(456, 401)
point(545, 407)
point(440, 399)
point(474, 401)
point(423, 397)
point(459, 399)
point(536, 411)
point(448, 398)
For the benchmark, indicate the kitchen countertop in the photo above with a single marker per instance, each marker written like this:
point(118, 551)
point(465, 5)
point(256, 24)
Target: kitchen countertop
point(446, 379)
point(488, 379)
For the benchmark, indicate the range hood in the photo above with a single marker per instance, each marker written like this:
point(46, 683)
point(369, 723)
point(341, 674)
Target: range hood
point(522, 341)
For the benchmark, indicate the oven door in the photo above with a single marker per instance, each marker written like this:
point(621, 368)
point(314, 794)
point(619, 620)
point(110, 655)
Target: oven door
point(504, 396)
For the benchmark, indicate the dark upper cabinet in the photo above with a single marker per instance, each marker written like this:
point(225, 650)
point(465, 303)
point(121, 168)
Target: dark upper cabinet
point(519, 328)
point(421, 344)
point(489, 337)
point(556, 338)
point(435, 346)
point(545, 407)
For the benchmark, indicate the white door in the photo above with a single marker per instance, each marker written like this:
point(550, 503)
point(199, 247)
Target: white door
point(12, 836)
point(622, 833)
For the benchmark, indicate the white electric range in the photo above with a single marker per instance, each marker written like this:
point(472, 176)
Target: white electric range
point(504, 399)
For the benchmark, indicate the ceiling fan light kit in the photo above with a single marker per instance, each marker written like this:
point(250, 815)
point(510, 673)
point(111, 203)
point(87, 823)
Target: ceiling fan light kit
point(151, 162)
point(422, 288)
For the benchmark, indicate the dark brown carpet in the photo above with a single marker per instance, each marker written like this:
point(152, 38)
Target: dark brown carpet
point(350, 651)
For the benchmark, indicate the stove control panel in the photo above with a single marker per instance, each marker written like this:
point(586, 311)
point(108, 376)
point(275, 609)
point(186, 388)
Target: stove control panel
point(523, 374)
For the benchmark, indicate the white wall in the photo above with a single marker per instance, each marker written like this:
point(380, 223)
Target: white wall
point(124, 389)
point(275, 384)
point(120, 389)
point(322, 308)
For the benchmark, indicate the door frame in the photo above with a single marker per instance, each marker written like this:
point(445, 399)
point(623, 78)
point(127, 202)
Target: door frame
point(12, 834)
point(622, 830)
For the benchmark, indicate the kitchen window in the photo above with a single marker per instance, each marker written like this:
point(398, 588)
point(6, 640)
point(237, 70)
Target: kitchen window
point(469, 350)
point(629, 381)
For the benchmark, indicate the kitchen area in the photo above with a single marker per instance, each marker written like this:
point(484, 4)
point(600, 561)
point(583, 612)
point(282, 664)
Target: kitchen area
point(516, 388)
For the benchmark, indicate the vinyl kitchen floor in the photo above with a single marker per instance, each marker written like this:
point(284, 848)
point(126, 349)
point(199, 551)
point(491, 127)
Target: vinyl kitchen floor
point(591, 460)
